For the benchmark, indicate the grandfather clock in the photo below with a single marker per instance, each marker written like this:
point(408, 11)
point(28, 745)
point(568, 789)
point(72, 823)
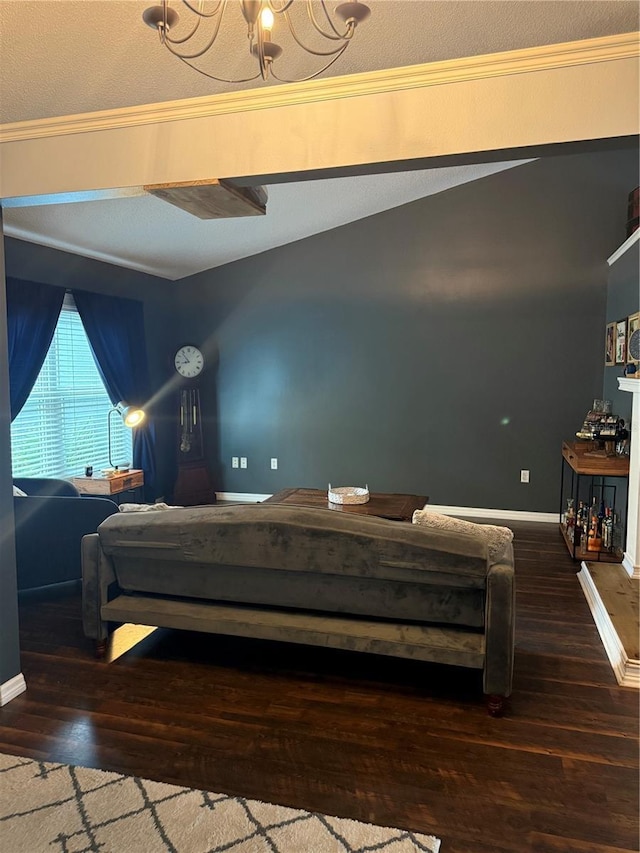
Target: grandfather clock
point(193, 486)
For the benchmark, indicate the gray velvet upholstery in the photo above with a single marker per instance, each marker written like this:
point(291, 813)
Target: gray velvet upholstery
point(49, 525)
point(309, 576)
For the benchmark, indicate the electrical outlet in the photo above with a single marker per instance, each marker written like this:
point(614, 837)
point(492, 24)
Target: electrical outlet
point(524, 476)
point(243, 461)
point(274, 463)
point(235, 462)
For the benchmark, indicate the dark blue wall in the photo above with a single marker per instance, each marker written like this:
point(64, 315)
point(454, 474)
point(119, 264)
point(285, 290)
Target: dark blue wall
point(438, 347)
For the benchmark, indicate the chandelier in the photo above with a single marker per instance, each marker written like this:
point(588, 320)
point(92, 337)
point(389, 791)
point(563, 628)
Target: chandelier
point(205, 21)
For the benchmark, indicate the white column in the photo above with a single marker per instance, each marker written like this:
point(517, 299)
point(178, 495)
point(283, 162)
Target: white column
point(631, 560)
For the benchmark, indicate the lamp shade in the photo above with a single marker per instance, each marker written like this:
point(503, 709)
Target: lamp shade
point(131, 416)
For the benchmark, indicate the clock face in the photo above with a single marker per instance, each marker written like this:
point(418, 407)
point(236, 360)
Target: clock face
point(189, 361)
point(634, 346)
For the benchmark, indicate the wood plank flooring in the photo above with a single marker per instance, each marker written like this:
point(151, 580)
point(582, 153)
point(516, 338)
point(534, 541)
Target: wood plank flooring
point(397, 743)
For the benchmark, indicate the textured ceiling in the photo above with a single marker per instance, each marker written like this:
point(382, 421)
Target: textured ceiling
point(61, 57)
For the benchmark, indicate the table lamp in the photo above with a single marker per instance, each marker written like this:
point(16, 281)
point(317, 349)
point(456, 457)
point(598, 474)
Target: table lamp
point(131, 417)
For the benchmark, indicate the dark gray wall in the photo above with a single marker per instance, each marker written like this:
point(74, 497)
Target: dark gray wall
point(623, 299)
point(436, 348)
point(9, 642)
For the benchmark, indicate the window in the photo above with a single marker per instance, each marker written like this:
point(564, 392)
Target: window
point(62, 427)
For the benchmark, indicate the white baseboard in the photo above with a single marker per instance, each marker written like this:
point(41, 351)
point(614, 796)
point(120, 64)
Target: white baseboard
point(12, 688)
point(505, 514)
point(626, 670)
point(241, 497)
point(469, 511)
point(628, 566)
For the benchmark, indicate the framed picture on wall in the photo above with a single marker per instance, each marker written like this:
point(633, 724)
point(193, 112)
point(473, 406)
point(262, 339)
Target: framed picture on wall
point(633, 339)
point(621, 341)
point(610, 345)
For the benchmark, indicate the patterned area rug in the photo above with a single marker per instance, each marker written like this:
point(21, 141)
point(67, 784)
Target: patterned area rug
point(59, 808)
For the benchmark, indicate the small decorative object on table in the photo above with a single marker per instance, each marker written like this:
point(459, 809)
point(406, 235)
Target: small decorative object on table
point(348, 495)
point(602, 428)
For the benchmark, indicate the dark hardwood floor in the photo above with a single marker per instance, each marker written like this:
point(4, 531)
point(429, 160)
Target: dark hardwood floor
point(392, 742)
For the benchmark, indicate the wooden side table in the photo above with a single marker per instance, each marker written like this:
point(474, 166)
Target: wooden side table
point(108, 486)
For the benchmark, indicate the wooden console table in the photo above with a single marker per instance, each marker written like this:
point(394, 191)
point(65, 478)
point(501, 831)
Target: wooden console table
point(393, 506)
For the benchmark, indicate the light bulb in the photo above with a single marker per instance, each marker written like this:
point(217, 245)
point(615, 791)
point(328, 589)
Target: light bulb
point(266, 19)
point(133, 417)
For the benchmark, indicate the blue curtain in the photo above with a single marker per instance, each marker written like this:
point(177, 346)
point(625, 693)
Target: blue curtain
point(115, 328)
point(32, 314)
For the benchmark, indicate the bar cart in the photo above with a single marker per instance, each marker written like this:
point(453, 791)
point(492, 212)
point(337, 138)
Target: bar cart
point(587, 475)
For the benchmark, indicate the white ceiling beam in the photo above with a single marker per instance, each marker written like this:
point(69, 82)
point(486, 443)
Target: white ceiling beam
point(587, 90)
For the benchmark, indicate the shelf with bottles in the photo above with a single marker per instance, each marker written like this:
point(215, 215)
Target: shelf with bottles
point(593, 499)
point(593, 532)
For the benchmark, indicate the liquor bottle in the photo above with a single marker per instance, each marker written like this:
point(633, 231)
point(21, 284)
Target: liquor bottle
point(607, 531)
point(617, 544)
point(578, 529)
point(601, 514)
point(569, 517)
point(594, 542)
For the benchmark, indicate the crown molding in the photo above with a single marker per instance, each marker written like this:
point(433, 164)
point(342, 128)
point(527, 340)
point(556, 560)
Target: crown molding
point(93, 254)
point(628, 243)
point(544, 58)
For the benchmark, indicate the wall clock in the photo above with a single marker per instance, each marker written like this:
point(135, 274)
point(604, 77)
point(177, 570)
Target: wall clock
point(189, 361)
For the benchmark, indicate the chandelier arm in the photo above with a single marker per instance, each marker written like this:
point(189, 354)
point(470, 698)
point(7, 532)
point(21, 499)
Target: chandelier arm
point(338, 50)
point(167, 37)
point(195, 28)
point(311, 76)
point(169, 46)
point(337, 35)
point(205, 14)
point(264, 70)
point(214, 36)
point(283, 8)
point(212, 76)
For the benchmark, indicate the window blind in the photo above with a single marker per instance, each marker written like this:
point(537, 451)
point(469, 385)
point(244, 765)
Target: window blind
point(62, 427)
